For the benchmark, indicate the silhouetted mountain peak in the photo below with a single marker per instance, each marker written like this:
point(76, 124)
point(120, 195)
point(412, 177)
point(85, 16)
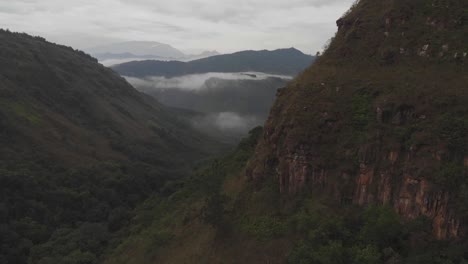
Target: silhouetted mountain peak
point(282, 61)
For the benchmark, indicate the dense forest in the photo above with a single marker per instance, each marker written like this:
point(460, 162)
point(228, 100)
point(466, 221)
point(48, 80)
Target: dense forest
point(80, 149)
point(217, 216)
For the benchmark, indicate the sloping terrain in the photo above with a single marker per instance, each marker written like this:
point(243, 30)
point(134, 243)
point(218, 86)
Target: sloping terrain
point(79, 149)
point(282, 61)
point(362, 160)
point(382, 117)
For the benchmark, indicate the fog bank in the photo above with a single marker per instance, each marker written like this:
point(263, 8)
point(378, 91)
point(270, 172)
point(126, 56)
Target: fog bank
point(197, 81)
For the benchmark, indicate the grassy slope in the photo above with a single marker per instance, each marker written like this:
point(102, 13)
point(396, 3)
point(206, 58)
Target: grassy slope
point(79, 149)
point(65, 100)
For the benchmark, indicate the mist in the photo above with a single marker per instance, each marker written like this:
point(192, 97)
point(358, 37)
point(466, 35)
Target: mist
point(197, 81)
point(223, 105)
point(229, 124)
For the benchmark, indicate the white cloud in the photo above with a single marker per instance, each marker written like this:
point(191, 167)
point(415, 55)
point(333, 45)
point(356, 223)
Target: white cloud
point(228, 123)
point(223, 25)
point(196, 81)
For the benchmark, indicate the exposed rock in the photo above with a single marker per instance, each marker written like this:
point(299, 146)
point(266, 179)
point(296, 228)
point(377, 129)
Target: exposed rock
point(379, 112)
point(340, 23)
point(411, 196)
point(423, 51)
point(403, 114)
point(388, 22)
point(391, 158)
point(445, 47)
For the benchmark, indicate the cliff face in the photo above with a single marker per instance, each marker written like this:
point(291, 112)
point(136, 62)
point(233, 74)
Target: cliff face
point(381, 117)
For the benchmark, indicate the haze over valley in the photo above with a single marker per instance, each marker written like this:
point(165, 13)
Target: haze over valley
point(215, 131)
point(117, 53)
point(224, 105)
point(226, 95)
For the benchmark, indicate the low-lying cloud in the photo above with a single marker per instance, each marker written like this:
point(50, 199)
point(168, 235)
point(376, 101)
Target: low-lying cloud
point(228, 123)
point(196, 81)
point(223, 105)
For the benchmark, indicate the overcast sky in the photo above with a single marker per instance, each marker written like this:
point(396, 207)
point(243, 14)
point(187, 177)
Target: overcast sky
point(189, 25)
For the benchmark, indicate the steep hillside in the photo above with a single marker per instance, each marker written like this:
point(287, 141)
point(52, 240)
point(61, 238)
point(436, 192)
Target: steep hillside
point(282, 61)
point(362, 160)
point(381, 117)
point(79, 149)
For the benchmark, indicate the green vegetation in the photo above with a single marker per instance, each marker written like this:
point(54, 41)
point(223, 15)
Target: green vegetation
point(361, 105)
point(264, 227)
point(80, 149)
point(196, 202)
point(373, 235)
point(453, 129)
point(56, 214)
point(26, 113)
point(98, 172)
point(224, 224)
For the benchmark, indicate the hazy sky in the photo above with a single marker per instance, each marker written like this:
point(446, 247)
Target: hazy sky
point(189, 25)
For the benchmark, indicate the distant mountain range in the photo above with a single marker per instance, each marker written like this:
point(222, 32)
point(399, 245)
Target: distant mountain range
point(282, 61)
point(141, 50)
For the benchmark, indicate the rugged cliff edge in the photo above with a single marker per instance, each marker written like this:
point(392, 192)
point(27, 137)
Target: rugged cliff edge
point(381, 117)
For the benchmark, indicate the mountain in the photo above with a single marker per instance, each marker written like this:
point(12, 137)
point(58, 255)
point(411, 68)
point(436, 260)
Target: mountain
point(363, 158)
point(117, 53)
point(204, 54)
point(137, 49)
point(282, 61)
point(381, 117)
point(80, 148)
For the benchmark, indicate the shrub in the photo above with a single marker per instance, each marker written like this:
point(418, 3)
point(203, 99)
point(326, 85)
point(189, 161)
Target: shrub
point(361, 110)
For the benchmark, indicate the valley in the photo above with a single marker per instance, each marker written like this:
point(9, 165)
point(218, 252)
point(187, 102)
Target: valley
point(357, 155)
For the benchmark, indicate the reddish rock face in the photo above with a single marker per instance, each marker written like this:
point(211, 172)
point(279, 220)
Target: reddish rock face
point(410, 196)
point(393, 176)
point(361, 126)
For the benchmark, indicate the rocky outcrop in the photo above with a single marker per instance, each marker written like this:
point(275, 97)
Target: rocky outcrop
point(378, 116)
point(409, 194)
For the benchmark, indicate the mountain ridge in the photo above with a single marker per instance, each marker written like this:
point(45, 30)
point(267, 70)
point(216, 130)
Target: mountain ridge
point(138, 48)
point(282, 61)
point(80, 149)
